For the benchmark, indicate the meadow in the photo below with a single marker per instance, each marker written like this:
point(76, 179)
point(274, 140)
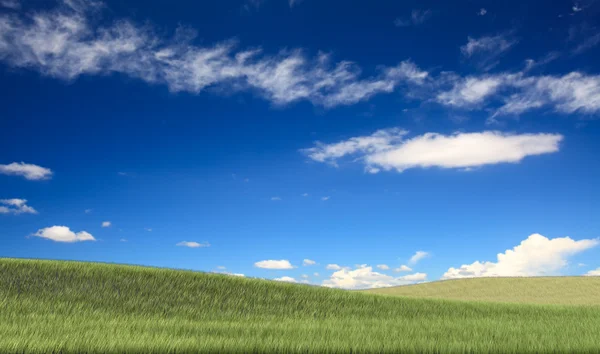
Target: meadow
point(527, 290)
point(73, 307)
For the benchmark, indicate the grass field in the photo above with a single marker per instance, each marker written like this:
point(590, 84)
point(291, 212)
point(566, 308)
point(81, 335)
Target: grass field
point(48, 306)
point(536, 290)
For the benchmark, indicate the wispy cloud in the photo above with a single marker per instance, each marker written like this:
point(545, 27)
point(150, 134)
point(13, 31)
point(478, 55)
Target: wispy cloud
point(15, 206)
point(418, 256)
point(65, 44)
point(275, 199)
point(383, 266)
point(333, 267)
point(106, 224)
point(482, 12)
point(486, 50)
point(390, 150)
point(29, 171)
point(308, 262)
point(274, 264)
point(192, 244)
point(416, 18)
point(63, 234)
point(537, 255)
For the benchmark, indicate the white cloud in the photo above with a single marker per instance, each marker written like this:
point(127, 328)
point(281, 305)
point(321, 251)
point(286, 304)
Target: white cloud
point(486, 50)
point(536, 255)
point(63, 234)
point(87, 211)
point(106, 224)
point(305, 195)
point(574, 92)
point(305, 276)
point(388, 149)
point(316, 274)
point(221, 267)
point(235, 274)
point(123, 240)
point(571, 93)
point(333, 267)
point(383, 267)
point(148, 229)
point(482, 12)
point(403, 268)
point(65, 43)
point(364, 278)
point(417, 17)
point(29, 171)
point(325, 199)
point(308, 262)
point(418, 256)
point(275, 199)
point(274, 264)
point(192, 244)
point(11, 4)
point(15, 206)
point(286, 279)
point(470, 92)
point(593, 273)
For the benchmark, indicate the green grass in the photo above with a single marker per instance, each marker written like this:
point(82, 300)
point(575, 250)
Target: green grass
point(49, 306)
point(534, 290)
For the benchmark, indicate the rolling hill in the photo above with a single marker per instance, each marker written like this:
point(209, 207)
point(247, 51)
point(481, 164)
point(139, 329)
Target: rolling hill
point(532, 290)
point(73, 307)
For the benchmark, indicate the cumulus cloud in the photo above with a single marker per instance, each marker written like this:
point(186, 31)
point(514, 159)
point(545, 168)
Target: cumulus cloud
point(274, 264)
point(106, 224)
point(286, 279)
point(333, 267)
point(308, 262)
point(403, 268)
point(192, 244)
point(418, 256)
point(593, 273)
point(325, 198)
point(29, 171)
point(363, 277)
point(64, 234)
point(416, 18)
point(65, 43)
point(535, 256)
point(383, 266)
point(15, 206)
point(390, 150)
point(486, 50)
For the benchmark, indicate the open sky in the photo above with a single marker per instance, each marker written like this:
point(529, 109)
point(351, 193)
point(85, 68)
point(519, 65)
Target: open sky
point(344, 144)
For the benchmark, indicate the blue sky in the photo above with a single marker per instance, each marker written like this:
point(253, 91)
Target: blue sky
point(373, 144)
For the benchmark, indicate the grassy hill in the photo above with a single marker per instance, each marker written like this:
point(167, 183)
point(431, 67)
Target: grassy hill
point(535, 290)
point(71, 307)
